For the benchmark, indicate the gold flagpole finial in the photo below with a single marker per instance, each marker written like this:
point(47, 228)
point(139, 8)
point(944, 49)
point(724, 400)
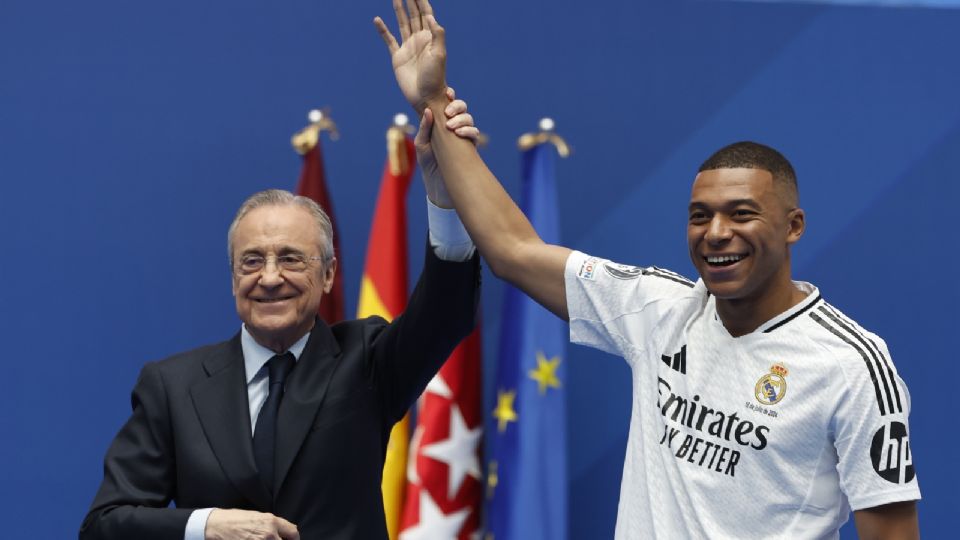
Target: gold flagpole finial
point(545, 135)
point(396, 143)
point(304, 140)
point(402, 123)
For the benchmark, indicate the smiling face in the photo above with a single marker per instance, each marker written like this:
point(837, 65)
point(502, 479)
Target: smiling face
point(739, 231)
point(278, 306)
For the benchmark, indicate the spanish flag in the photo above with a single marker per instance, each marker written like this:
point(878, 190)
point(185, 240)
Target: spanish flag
point(383, 292)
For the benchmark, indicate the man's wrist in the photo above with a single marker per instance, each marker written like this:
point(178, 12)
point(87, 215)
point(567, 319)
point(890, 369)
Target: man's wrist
point(437, 104)
point(440, 200)
point(197, 524)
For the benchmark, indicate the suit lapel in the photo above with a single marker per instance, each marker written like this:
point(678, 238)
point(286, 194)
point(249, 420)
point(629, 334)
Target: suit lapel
point(222, 405)
point(303, 396)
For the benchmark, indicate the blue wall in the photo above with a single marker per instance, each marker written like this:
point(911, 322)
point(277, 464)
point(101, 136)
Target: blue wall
point(131, 131)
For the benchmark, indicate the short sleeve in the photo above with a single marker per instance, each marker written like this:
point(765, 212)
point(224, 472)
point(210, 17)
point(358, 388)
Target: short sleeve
point(613, 307)
point(872, 434)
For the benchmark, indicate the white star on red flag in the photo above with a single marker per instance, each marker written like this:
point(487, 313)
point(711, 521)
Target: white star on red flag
point(458, 451)
point(439, 387)
point(434, 524)
point(444, 477)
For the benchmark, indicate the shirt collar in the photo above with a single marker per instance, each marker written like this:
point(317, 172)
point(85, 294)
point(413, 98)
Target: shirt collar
point(256, 355)
point(813, 296)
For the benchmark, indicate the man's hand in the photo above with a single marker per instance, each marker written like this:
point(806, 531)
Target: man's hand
point(420, 62)
point(460, 122)
point(245, 524)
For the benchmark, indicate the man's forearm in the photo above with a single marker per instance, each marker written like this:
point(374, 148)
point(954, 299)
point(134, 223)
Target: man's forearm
point(494, 222)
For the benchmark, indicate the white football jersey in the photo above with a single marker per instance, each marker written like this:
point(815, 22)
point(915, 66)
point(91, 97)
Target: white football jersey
point(775, 434)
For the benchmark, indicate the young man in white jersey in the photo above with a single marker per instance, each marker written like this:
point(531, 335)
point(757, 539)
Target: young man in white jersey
point(759, 410)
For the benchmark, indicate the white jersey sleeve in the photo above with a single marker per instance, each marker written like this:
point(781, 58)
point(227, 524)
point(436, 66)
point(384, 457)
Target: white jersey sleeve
point(612, 307)
point(871, 432)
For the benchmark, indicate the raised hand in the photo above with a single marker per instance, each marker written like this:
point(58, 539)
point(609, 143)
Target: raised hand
point(419, 63)
point(459, 121)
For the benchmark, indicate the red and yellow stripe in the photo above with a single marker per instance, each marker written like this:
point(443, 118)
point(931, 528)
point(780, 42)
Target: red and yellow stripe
point(383, 292)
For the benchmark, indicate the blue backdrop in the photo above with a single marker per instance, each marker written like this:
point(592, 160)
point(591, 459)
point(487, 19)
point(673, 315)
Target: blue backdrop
point(131, 131)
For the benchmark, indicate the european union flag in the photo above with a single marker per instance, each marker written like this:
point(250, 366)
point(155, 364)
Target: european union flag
point(527, 476)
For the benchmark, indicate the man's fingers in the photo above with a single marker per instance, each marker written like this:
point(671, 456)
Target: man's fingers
point(416, 20)
point(423, 134)
point(468, 132)
point(402, 20)
point(286, 530)
point(457, 106)
point(451, 94)
point(439, 34)
point(425, 7)
point(385, 34)
point(459, 121)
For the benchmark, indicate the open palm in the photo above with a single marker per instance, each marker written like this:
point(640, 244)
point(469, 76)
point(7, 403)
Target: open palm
point(420, 62)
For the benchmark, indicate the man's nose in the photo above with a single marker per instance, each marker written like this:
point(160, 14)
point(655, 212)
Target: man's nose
point(718, 231)
point(270, 276)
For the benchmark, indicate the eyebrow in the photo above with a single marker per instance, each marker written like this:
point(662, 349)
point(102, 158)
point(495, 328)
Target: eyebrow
point(697, 205)
point(283, 250)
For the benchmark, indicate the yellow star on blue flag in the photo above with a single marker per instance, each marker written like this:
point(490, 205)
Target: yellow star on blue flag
point(546, 372)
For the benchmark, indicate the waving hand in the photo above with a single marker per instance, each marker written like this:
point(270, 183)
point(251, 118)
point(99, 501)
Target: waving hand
point(419, 63)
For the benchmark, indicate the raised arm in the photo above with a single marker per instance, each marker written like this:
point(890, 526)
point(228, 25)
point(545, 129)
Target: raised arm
point(501, 232)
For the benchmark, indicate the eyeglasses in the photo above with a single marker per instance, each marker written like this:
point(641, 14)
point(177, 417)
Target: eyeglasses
point(292, 262)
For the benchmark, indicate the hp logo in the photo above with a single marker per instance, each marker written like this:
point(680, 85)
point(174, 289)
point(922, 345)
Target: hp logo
point(891, 455)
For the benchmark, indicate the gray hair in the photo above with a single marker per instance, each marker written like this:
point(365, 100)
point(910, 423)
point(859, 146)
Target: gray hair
point(280, 197)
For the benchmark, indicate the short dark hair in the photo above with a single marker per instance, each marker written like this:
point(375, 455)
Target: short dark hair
point(751, 155)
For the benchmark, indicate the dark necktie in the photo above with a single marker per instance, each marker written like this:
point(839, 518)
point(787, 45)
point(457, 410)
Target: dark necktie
point(264, 436)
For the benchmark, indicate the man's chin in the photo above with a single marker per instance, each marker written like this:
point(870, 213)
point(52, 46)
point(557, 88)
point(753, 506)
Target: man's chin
point(725, 290)
point(271, 331)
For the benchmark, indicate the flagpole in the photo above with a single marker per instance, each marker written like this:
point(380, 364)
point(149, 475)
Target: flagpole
point(527, 488)
point(545, 135)
point(312, 184)
point(386, 289)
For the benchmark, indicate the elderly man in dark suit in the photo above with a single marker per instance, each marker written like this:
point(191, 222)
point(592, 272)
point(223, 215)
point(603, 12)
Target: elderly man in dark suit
point(280, 432)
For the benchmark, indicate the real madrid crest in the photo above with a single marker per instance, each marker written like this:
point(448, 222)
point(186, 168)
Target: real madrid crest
point(771, 388)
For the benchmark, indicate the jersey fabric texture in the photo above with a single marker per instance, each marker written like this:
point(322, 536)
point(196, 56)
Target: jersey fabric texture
point(775, 434)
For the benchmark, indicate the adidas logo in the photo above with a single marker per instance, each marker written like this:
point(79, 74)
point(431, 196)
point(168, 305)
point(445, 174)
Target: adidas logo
point(677, 362)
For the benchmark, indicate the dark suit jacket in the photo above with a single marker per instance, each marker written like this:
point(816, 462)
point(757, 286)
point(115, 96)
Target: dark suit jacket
point(189, 439)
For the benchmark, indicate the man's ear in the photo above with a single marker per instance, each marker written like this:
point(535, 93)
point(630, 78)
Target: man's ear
point(796, 224)
point(329, 271)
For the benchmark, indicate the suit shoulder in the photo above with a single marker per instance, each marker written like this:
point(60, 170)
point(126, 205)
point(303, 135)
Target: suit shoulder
point(347, 331)
point(191, 359)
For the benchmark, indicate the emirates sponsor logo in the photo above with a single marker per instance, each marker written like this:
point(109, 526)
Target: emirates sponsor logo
point(698, 433)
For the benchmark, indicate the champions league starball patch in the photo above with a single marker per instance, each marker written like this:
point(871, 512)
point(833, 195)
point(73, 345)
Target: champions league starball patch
point(771, 388)
point(622, 271)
